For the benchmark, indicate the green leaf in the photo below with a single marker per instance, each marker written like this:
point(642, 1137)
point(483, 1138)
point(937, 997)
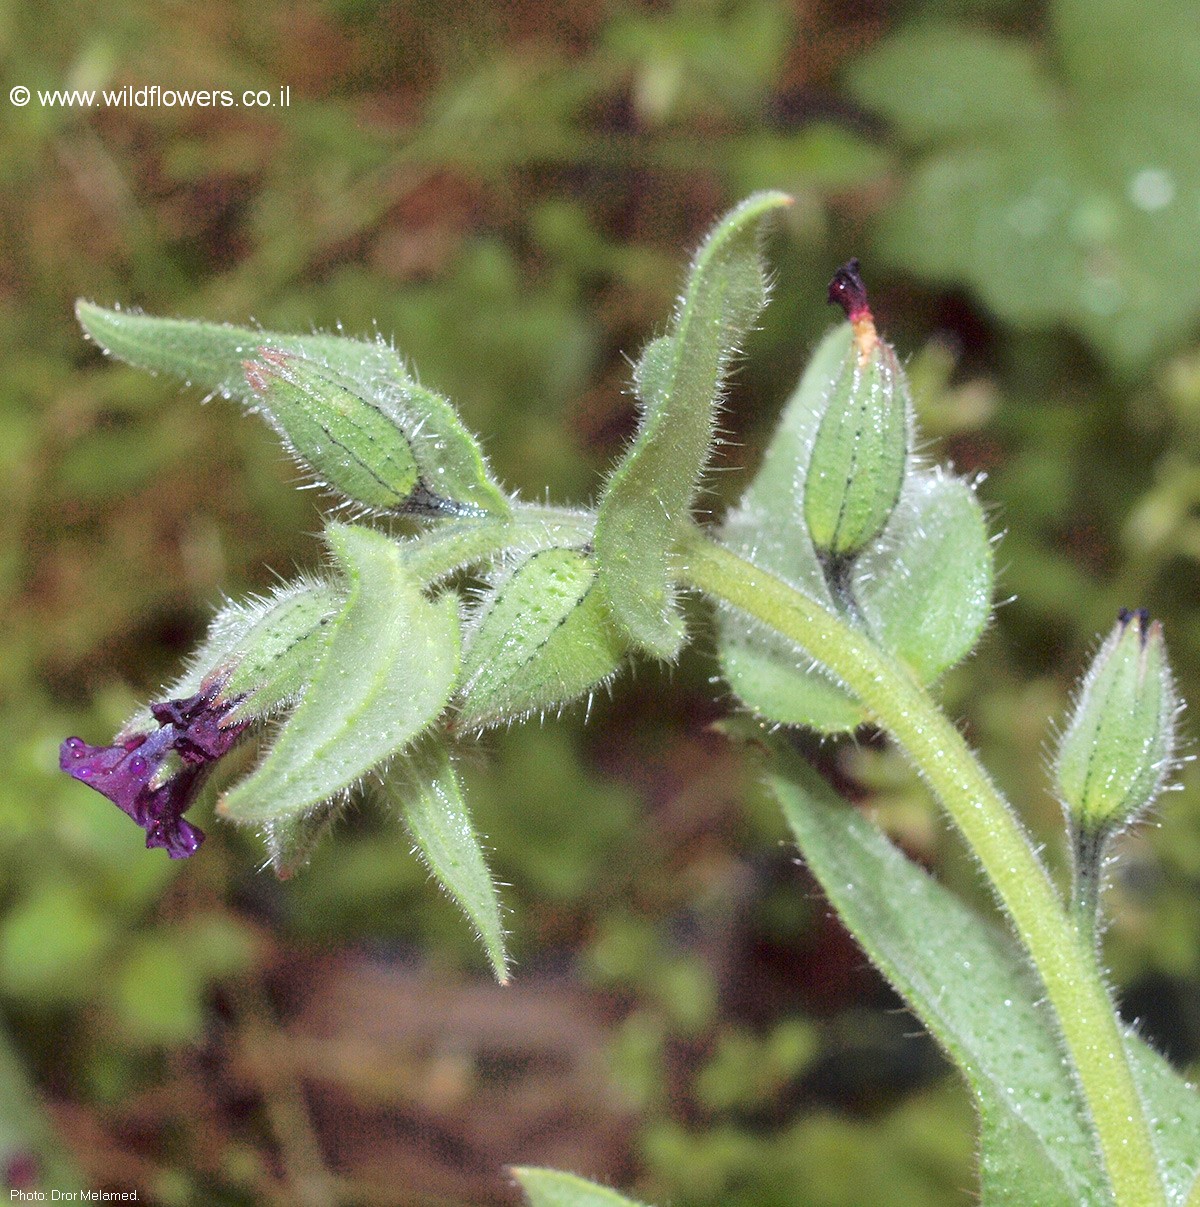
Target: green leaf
point(552, 1188)
point(767, 520)
point(1073, 211)
point(291, 840)
point(424, 788)
point(542, 638)
point(965, 981)
point(1109, 45)
point(678, 380)
point(768, 673)
point(389, 666)
point(349, 411)
point(941, 80)
point(1173, 1107)
point(779, 681)
point(925, 589)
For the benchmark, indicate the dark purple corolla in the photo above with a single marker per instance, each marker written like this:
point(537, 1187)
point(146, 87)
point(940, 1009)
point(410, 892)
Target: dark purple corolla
point(154, 776)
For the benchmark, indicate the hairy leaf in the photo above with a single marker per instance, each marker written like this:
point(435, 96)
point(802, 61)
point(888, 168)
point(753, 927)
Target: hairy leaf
point(679, 379)
point(766, 672)
point(348, 410)
point(389, 667)
point(424, 789)
point(980, 1001)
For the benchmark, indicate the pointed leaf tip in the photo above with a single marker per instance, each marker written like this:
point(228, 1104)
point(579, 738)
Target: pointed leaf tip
point(424, 789)
point(966, 982)
point(554, 1188)
point(679, 380)
point(348, 410)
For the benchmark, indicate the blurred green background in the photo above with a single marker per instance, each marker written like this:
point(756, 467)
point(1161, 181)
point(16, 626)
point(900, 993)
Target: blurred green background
point(511, 189)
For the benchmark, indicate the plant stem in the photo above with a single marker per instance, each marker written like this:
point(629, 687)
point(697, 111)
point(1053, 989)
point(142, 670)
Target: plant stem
point(1088, 847)
point(899, 704)
point(453, 544)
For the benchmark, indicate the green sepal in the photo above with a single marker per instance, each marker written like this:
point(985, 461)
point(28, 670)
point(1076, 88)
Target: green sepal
point(265, 650)
point(290, 841)
point(423, 787)
point(678, 380)
point(921, 587)
point(390, 663)
point(440, 549)
point(553, 1188)
point(924, 588)
point(542, 637)
point(278, 656)
point(766, 522)
point(347, 410)
point(1119, 746)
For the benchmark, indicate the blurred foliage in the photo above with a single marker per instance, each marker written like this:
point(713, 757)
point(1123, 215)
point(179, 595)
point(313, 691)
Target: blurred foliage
point(1055, 180)
point(511, 193)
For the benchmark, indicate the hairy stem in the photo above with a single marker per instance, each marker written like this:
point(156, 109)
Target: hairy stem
point(1087, 882)
point(1063, 959)
point(452, 544)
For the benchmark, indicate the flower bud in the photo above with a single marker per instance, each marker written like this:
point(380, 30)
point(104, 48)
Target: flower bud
point(349, 442)
point(1119, 745)
point(348, 410)
point(543, 638)
point(861, 449)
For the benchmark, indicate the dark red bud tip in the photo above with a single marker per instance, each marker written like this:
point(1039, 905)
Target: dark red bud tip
point(256, 376)
point(270, 364)
point(1138, 616)
point(848, 291)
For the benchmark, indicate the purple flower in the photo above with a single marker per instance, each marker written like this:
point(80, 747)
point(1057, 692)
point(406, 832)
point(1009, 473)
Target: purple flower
point(154, 776)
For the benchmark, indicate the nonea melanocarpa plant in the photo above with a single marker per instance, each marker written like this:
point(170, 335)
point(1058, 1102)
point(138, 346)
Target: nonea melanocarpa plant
point(847, 579)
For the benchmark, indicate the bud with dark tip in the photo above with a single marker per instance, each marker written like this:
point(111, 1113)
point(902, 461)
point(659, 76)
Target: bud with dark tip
point(848, 291)
point(861, 449)
point(1119, 747)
